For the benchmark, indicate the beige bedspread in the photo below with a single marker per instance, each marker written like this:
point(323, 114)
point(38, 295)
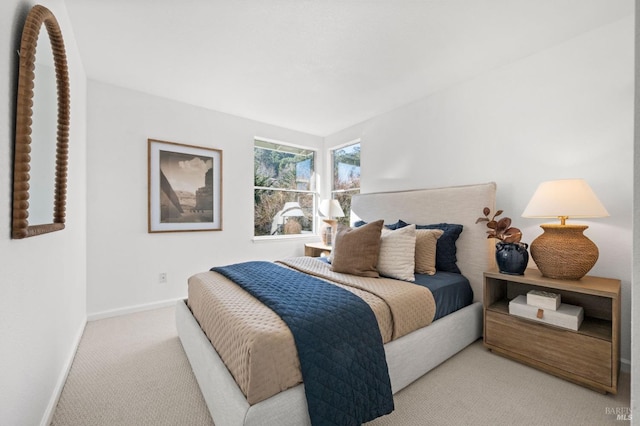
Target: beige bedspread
point(257, 346)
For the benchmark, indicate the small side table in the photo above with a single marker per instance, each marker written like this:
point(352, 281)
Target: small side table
point(317, 250)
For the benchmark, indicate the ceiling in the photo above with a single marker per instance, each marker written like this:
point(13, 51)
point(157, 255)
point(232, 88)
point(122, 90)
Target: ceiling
point(317, 66)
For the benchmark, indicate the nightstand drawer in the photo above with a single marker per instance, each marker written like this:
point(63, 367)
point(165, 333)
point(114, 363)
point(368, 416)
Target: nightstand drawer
point(566, 350)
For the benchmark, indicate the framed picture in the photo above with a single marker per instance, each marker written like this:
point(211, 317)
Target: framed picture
point(185, 187)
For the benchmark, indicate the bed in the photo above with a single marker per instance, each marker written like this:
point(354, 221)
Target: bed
point(409, 356)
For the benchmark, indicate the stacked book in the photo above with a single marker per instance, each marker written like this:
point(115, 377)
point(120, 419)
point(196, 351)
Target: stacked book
point(546, 307)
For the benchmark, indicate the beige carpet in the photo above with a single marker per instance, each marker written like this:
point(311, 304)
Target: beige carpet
point(131, 370)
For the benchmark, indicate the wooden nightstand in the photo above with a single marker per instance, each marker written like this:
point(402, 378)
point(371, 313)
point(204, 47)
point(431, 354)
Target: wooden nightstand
point(317, 250)
point(589, 357)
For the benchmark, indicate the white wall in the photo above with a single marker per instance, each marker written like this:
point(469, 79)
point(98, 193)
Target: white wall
point(123, 259)
point(563, 112)
point(42, 303)
point(635, 302)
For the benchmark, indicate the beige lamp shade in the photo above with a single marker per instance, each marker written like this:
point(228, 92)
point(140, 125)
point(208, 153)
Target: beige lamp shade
point(330, 209)
point(563, 251)
point(566, 198)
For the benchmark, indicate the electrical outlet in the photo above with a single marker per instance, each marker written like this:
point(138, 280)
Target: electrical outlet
point(162, 278)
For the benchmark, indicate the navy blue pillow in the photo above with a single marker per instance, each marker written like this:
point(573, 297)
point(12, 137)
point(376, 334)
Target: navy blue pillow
point(392, 226)
point(445, 247)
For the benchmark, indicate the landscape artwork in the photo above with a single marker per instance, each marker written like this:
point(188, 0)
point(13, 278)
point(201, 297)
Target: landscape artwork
point(184, 187)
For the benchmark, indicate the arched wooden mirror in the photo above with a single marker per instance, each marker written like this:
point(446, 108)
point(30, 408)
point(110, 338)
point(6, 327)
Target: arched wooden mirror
point(42, 128)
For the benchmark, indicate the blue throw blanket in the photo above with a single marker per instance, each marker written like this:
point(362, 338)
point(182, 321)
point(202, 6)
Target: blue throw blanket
point(341, 353)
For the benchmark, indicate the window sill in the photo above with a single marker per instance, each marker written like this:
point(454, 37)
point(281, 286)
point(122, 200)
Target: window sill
point(286, 237)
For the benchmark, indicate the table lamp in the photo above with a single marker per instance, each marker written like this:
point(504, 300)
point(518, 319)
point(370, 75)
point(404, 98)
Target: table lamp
point(329, 209)
point(563, 251)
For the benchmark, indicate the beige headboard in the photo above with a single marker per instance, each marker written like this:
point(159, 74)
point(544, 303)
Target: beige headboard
point(456, 204)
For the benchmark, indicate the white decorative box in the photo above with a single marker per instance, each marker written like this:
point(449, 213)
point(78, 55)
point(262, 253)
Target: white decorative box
point(543, 299)
point(566, 316)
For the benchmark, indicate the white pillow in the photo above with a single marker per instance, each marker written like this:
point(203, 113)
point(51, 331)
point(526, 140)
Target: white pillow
point(397, 253)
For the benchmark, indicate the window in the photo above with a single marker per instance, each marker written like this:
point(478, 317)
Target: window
point(346, 176)
point(284, 189)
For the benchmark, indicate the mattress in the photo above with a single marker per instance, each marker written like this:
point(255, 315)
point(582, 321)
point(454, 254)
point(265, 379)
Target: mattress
point(450, 291)
point(256, 345)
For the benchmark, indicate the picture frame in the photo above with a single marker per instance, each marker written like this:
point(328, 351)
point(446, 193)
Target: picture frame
point(184, 187)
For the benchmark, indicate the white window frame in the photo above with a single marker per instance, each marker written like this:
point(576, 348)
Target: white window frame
point(313, 191)
point(330, 162)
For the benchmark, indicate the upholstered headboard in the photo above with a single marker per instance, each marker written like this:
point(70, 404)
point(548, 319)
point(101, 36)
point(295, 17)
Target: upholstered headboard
point(456, 204)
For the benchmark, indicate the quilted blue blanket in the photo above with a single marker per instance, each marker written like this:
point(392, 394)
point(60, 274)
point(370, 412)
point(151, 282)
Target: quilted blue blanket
point(346, 380)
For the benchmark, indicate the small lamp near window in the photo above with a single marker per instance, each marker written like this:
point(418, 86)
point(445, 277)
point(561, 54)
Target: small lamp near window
point(563, 251)
point(329, 209)
point(290, 212)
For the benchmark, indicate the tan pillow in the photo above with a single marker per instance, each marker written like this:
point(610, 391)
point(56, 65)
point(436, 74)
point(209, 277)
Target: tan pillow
point(426, 240)
point(356, 250)
point(398, 253)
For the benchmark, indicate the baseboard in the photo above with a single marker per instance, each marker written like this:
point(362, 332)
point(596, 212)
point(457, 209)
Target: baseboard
point(132, 309)
point(47, 418)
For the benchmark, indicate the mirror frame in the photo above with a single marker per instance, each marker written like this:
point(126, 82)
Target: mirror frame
point(38, 17)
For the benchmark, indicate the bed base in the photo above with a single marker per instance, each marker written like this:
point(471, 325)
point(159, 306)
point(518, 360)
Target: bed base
point(408, 358)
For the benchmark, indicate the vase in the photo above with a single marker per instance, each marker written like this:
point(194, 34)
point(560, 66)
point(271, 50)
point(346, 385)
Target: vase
point(512, 258)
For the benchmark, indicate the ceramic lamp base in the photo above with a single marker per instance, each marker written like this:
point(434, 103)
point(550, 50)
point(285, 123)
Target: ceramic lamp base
point(564, 252)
